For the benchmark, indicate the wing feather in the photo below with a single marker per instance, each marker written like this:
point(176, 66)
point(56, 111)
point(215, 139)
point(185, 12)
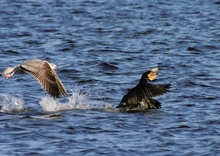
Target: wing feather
point(141, 96)
point(46, 76)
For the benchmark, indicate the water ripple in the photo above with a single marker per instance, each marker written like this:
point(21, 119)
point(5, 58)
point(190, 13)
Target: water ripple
point(102, 48)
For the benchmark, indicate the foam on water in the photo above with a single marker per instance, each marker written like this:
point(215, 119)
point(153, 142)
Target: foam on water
point(11, 104)
point(75, 101)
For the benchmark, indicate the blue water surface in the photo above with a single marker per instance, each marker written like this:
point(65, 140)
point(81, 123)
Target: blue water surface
point(102, 48)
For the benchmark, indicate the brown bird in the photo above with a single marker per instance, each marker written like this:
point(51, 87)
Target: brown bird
point(43, 72)
point(140, 97)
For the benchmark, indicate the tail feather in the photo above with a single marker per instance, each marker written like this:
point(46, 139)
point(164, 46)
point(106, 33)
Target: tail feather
point(142, 106)
point(150, 104)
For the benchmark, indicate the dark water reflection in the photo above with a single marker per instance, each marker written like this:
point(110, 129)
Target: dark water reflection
point(101, 49)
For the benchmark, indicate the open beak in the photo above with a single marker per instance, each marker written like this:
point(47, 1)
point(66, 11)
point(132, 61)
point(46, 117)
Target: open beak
point(153, 73)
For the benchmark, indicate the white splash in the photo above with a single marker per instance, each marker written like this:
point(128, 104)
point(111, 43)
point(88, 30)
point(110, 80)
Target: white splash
point(75, 101)
point(11, 104)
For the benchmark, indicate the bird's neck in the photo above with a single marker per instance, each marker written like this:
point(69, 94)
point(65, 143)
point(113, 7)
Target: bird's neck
point(143, 81)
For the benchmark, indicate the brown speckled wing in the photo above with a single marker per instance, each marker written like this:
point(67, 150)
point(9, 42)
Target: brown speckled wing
point(47, 77)
point(32, 66)
point(7, 70)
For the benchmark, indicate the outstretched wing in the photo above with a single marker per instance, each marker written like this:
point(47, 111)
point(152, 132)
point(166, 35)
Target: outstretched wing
point(151, 90)
point(140, 96)
point(47, 77)
point(7, 70)
point(33, 66)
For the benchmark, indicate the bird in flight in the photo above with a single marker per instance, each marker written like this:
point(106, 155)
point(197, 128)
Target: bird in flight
point(43, 72)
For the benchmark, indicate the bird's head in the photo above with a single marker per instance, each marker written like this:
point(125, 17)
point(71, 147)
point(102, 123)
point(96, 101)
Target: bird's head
point(53, 66)
point(150, 75)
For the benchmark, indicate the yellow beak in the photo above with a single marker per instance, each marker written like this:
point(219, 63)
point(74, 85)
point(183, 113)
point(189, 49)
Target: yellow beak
point(153, 74)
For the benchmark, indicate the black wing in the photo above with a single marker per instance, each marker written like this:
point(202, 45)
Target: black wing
point(140, 96)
